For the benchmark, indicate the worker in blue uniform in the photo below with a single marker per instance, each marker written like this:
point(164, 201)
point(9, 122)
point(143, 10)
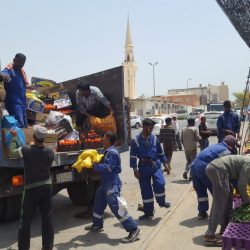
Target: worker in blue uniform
point(109, 191)
point(228, 123)
point(146, 147)
point(200, 180)
point(15, 84)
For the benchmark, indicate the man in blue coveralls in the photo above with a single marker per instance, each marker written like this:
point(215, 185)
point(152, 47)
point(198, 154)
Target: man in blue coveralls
point(228, 123)
point(109, 191)
point(146, 147)
point(15, 84)
point(200, 180)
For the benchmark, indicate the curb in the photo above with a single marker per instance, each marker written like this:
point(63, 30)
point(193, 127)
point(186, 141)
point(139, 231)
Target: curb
point(146, 243)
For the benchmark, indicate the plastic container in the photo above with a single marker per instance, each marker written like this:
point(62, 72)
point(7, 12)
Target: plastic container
point(9, 121)
point(67, 148)
point(236, 236)
point(237, 202)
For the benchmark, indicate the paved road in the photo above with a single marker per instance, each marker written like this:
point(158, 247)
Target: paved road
point(70, 233)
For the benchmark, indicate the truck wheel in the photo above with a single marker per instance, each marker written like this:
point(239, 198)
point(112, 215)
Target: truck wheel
point(2, 208)
point(12, 208)
point(81, 193)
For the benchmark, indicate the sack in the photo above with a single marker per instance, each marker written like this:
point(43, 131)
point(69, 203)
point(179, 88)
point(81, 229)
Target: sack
point(103, 124)
point(19, 134)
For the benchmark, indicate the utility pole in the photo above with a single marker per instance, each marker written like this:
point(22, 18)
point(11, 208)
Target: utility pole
point(153, 65)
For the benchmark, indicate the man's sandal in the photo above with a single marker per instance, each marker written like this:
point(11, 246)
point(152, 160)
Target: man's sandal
point(213, 240)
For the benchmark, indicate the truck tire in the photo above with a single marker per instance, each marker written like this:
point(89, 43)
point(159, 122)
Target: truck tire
point(82, 193)
point(12, 208)
point(2, 209)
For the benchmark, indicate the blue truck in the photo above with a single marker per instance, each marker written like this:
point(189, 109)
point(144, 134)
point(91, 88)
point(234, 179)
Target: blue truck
point(80, 186)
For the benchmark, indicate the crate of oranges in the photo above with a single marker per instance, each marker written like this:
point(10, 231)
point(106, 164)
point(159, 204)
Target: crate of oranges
point(68, 145)
point(92, 140)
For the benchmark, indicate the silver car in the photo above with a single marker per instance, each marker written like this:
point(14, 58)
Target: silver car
point(212, 118)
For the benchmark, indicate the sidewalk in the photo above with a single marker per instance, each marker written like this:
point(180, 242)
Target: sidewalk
point(181, 230)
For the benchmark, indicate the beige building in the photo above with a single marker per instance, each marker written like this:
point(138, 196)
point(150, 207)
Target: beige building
point(145, 106)
point(205, 94)
point(218, 93)
point(129, 66)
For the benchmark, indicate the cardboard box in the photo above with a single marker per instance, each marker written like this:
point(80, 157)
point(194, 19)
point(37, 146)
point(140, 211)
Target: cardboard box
point(51, 138)
point(28, 135)
point(35, 106)
point(41, 117)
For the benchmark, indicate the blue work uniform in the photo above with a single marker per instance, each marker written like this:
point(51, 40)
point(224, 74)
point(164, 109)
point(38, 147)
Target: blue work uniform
point(150, 155)
point(15, 99)
point(199, 178)
point(227, 120)
point(109, 191)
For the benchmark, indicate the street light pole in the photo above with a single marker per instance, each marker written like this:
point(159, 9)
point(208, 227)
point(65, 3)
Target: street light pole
point(187, 84)
point(153, 65)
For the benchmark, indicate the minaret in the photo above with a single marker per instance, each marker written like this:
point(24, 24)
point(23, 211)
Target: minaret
point(129, 66)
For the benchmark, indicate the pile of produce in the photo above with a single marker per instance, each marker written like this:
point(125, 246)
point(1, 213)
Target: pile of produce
point(241, 214)
point(68, 145)
point(92, 140)
point(103, 124)
point(87, 159)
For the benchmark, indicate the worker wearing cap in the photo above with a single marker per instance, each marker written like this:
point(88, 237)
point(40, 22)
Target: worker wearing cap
point(146, 147)
point(37, 187)
point(221, 172)
point(15, 84)
point(200, 180)
point(228, 123)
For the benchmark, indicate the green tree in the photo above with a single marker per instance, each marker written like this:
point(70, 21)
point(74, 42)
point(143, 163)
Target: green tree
point(239, 98)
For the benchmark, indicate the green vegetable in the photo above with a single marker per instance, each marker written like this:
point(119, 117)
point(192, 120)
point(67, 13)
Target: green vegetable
point(241, 214)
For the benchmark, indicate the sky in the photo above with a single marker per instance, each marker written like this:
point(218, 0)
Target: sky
point(65, 39)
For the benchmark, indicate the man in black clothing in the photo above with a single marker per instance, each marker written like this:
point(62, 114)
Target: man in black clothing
point(204, 133)
point(37, 187)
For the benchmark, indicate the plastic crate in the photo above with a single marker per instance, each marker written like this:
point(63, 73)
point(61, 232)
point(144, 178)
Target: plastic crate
point(237, 202)
point(236, 236)
point(67, 148)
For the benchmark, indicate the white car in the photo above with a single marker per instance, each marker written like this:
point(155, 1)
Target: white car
point(211, 120)
point(135, 121)
point(160, 122)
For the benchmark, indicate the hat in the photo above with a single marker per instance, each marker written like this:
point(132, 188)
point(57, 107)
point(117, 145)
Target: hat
point(148, 122)
point(230, 140)
point(40, 132)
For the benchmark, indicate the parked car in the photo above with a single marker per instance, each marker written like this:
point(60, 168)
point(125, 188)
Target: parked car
point(135, 121)
point(212, 118)
point(160, 122)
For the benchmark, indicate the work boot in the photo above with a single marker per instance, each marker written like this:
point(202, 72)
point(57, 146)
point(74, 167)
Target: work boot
point(140, 208)
point(92, 227)
point(202, 215)
point(166, 205)
point(133, 236)
point(185, 175)
point(146, 216)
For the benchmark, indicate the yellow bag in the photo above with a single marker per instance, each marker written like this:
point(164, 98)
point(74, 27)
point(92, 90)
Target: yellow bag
point(88, 153)
point(87, 163)
point(98, 158)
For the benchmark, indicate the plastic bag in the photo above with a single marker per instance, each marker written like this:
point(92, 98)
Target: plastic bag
point(123, 206)
point(74, 135)
point(19, 134)
point(53, 118)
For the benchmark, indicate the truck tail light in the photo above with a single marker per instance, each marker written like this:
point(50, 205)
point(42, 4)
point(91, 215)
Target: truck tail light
point(17, 180)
